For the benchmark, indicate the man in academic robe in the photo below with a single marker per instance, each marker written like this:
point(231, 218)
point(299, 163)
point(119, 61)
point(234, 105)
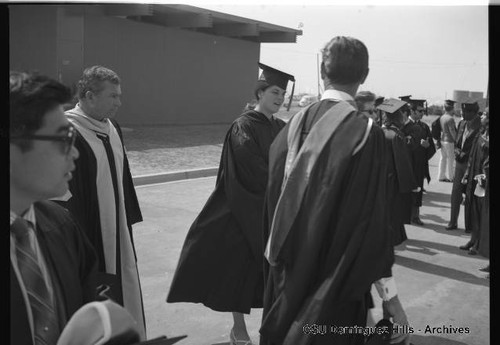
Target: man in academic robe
point(400, 180)
point(101, 194)
point(326, 223)
point(421, 148)
point(53, 266)
point(467, 130)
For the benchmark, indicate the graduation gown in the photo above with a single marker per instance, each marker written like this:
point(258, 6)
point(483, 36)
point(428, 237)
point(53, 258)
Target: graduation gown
point(419, 155)
point(103, 200)
point(400, 182)
point(221, 260)
point(71, 261)
point(326, 227)
point(477, 208)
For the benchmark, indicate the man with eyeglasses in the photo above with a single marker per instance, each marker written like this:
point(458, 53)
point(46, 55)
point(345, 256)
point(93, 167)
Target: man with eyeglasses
point(52, 263)
point(421, 148)
point(102, 196)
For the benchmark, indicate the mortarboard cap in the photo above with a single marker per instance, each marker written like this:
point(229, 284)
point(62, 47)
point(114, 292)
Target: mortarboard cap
point(449, 102)
point(470, 106)
point(272, 76)
point(379, 100)
point(391, 105)
point(417, 102)
point(405, 98)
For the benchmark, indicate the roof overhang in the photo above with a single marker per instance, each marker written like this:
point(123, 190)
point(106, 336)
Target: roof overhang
point(197, 19)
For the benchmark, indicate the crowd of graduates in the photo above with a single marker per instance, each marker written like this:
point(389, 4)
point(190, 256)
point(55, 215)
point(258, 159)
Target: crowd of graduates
point(302, 221)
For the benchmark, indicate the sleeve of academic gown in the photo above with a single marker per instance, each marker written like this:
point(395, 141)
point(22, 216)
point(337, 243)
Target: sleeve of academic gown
point(245, 183)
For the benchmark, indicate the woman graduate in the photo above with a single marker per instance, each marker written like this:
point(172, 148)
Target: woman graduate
point(221, 262)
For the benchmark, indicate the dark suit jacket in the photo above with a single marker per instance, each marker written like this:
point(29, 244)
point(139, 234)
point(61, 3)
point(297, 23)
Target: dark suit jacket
point(474, 127)
point(71, 259)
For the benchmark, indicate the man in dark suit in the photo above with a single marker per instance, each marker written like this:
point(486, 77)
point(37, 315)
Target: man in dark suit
point(52, 263)
point(468, 128)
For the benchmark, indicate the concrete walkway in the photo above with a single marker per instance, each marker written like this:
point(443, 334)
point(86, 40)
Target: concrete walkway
point(445, 296)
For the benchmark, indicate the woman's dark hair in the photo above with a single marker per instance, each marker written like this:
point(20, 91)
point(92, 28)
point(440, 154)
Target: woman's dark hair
point(345, 60)
point(261, 85)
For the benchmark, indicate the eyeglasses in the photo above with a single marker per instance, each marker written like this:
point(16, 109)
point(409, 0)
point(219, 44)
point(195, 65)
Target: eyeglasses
point(67, 140)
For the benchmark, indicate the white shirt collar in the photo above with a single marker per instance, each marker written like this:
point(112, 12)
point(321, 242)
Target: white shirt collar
point(337, 95)
point(29, 215)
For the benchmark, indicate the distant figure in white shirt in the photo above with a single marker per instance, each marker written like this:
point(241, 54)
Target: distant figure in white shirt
point(448, 137)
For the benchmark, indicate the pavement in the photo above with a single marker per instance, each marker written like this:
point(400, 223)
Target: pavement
point(445, 296)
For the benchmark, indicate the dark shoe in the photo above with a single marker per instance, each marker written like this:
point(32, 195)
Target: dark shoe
point(485, 269)
point(472, 251)
point(443, 180)
point(417, 221)
point(451, 227)
point(467, 246)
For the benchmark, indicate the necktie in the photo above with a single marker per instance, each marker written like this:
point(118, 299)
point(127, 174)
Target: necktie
point(44, 317)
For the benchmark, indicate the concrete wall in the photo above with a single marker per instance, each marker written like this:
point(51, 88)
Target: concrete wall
point(169, 76)
point(33, 39)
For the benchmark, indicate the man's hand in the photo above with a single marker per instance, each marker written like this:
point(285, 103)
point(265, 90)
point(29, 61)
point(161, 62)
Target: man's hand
point(392, 309)
point(424, 143)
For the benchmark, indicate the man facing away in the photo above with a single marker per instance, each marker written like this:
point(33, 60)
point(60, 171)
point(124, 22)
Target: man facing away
point(326, 219)
point(52, 263)
point(448, 137)
point(103, 197)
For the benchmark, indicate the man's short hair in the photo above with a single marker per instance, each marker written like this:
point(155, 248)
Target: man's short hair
point(345, 60)
point(363, 97)
point(31, 96)
point(93, 79)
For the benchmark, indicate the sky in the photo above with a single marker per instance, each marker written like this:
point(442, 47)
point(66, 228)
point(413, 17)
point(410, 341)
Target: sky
point(424, 51)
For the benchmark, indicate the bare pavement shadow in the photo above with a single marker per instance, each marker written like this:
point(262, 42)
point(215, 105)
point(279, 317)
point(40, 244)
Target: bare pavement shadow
point(441, 271)
point(432, 198)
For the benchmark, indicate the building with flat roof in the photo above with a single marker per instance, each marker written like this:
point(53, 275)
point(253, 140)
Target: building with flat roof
point(178, 64)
